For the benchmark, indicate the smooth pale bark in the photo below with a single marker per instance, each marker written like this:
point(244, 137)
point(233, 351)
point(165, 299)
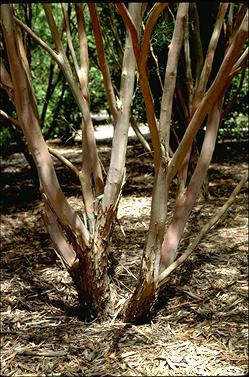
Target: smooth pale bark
point(84, 249)
point(95, 283)
point(215, 91)
point(69, 38)
point(80, 94)
point(208, 63)
point(106, 73)
point(72, 241)
point(196, 95)
point(116, 173)
point(186, 200)
point(102, 60)
point(89, 149)
point(242, 61)
point(144, 84)
point(90, 159)
point(139, 134)
point(170, 75)
point(27, 116)
point(142, 299)
point(189, 75)
point(213, 221)
point(144, 294)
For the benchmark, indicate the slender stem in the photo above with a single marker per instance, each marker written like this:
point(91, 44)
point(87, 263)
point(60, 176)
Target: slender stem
point(111, 18)
point(231, 103)
point(69, 38)
point(48, 94)
point(28, 118)
point(102, 60)
point(242, 59)
point(144, 84)
point(205, 73)
point(40, 42)
point(215, 91)
point(186, 199)
point(230, 19)
point(84, 62)
point(239, 17)
point(189, 76)
point(197, 42)
point(146, 41)
point(116, 173)
point(11, 120)
point(214, 220)
point(139, 134)
point(65, 161)
point(170, 75)
point(90, 159)
point(133, 30)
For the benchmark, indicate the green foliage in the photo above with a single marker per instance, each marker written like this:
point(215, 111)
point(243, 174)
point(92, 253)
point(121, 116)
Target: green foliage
point(66, 118)
point(235, 126)
point(241, 104)
point(97, 94)
point(160, 40)
point(6, 140)
point(62, 114)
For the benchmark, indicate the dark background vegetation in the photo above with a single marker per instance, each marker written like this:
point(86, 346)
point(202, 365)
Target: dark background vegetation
point(60, 117)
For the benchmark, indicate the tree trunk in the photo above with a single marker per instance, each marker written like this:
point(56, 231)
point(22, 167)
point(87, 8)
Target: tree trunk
point(83, 244)
point(186, 199)
point(84, 253)
point(143, 297)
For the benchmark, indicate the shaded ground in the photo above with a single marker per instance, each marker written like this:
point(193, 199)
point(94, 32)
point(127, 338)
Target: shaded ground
point(199, 325)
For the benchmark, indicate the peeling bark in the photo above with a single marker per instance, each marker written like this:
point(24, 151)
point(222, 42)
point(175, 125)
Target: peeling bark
point(116, 174)
point(83, 245)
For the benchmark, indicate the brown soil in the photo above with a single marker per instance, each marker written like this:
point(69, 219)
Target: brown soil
point(199, 324)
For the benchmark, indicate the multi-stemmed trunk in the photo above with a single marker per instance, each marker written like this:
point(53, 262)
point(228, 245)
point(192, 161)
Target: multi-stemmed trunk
point(83, 243)
point(83, 247)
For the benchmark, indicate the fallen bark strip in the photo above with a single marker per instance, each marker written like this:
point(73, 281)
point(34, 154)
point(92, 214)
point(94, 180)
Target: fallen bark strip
point(46, 353)
point(204, 230)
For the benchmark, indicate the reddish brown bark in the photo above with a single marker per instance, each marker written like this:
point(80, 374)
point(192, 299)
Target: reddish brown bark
point(186, 200)
point(82, 245)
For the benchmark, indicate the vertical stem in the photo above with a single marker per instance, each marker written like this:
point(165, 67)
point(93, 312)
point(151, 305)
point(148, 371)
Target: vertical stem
point(208, 63)
point(102, 60)
point(170, 75)
point(197, 42)
point(90, 162)
point(186, 200)
point(28, 117)
point(215, 91)
point(189, 75)
point(69, 37)
point(116, 172)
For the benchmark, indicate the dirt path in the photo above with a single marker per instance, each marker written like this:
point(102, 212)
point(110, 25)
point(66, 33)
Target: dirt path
point(199, 325)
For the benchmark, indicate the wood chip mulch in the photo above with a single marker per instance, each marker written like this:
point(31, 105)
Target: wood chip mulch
point(199, 326)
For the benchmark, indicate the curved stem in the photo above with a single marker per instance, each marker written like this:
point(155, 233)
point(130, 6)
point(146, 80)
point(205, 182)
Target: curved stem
point(211, 223)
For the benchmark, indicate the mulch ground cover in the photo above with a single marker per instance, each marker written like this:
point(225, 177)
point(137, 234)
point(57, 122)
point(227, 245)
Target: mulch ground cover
point(199, 325)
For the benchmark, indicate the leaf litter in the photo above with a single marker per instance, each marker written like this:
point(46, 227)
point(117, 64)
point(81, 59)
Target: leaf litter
point(199, 324)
